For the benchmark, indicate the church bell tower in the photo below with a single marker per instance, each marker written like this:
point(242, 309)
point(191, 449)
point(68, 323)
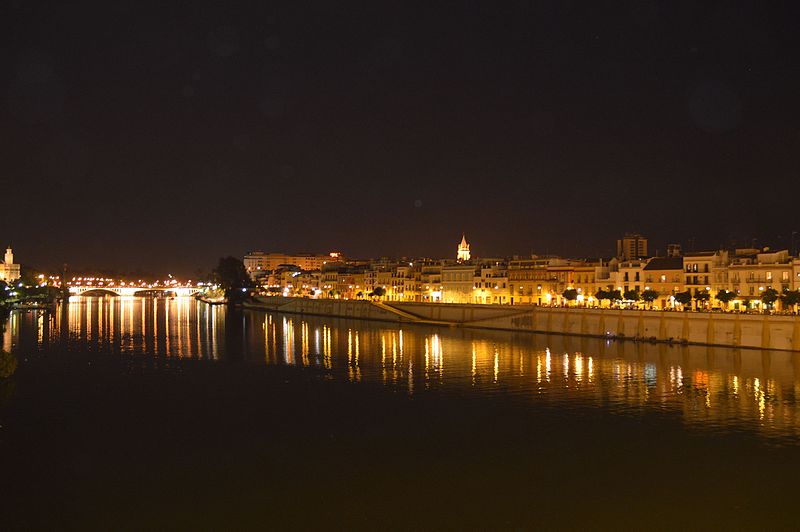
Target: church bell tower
point(463, 249)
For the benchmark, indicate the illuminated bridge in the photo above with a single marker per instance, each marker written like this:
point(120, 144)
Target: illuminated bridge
point(179, 291)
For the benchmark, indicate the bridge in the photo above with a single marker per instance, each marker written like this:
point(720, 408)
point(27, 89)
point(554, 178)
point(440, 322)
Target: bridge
point(179, 291)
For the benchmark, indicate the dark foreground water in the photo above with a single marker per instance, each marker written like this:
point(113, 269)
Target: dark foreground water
point(135, 413)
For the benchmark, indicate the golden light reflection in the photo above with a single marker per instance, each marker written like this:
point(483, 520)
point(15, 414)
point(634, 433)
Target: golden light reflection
point(265, 328)
point(40, 329)
point(288, 341)
point(400, 336)
point(326, 346)
point(410, 379)
point(427, 360)
point(547, 365)
point(707, 391)
point(474, 365)
point(353, 368)
point(538, 370)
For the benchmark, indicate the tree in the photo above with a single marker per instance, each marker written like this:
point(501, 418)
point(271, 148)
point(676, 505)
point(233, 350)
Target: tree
point(790, 298)
point(359, 294)
point(28, 277)
point(231, 275)
point(615, 295)
point(631, 295)
point(601, 295)
point(725, 296)
point(769, 297)
point(649, 296)
point(702, 295)
point(570, 294)
point(684, 298)
point(379, 291)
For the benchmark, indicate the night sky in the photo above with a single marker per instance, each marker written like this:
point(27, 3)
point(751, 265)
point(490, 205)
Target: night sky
point(136, 135)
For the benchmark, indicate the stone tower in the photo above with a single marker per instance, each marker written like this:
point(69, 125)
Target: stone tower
point(463, 250)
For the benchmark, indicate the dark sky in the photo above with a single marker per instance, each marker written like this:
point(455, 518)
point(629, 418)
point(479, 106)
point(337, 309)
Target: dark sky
point(161, 136)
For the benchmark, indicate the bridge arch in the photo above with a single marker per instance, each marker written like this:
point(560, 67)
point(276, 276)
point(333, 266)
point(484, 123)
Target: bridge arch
point(177, 291)
point(96, 291)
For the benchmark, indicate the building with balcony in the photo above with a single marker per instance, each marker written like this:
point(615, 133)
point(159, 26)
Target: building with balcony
point(705, 271)
point(491, 284)
point(529, 281)
point(751, 272)
point(665, 276)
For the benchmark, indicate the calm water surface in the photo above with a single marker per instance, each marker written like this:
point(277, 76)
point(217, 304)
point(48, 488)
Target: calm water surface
point(136, 370)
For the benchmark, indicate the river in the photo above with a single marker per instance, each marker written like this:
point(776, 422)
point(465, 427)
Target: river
point(137, 412)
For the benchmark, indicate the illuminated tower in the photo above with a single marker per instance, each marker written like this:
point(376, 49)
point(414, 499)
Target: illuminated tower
point(463, 249)
point(8, 270)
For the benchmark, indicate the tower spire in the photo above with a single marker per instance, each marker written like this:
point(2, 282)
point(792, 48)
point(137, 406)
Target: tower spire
point(463, 254)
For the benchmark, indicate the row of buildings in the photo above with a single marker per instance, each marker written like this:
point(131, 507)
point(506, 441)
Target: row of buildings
point(532, 280)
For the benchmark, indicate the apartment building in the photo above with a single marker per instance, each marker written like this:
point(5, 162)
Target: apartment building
point(751, 272)
point(258, 262)
point(664, 275)
point(491, 284)
point(529, 281)
point(458, 282)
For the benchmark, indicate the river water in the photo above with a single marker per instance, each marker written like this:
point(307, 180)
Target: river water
point(129, 412)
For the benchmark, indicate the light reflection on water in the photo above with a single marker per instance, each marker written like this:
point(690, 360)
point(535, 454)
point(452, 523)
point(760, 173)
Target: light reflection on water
point(717, 389)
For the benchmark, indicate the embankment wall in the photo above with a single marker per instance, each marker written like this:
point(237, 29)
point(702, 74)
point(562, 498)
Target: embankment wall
point(724, 329)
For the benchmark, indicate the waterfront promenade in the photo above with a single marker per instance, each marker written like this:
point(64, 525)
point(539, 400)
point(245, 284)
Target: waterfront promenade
point(758, 331)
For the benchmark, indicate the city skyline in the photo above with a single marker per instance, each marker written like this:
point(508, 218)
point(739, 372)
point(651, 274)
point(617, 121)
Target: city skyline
point(485, 249)
point(286, 264)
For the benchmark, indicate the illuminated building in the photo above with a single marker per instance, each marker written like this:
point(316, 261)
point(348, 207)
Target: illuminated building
point(458, 282)
point(751, 272)
point(492, 284)
point(530, 281)
point(463, 254)
point(631, 276)
point(702, 269)
point(535, 280)
point(632, 246)
point(430, 282)
point(665, 276)
point(9, 271)
point(258, 261)
point(583, 282)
